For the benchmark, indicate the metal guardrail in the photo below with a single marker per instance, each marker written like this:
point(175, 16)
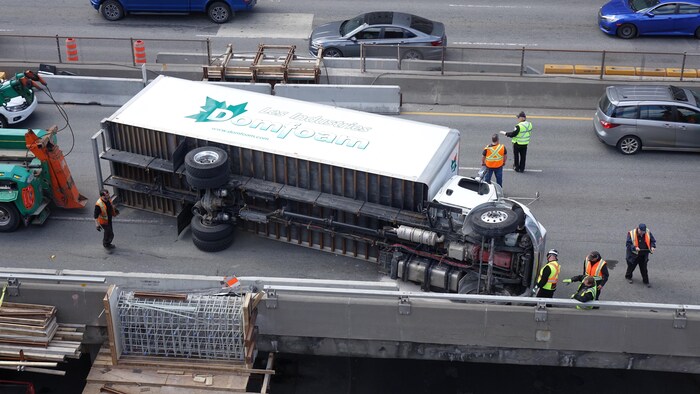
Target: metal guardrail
point(95, 50)
point(531, 61)
point(475, 298)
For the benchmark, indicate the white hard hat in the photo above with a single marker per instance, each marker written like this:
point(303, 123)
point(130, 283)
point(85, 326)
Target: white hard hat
point(553, 251)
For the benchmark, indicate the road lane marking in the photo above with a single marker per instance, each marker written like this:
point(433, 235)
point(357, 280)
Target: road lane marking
point(500, 44)
point(468, 115)
point(269, 25)
point(489, 6)
point(505, 169)
point(88, 219)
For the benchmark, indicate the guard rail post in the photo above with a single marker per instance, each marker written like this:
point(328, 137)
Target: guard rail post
point(362, 58)
point(58, 50)
point(602, 66)
point(398, 56)
point(133, 57)
point(683, 65)
point(208, 51)
point(522, 61)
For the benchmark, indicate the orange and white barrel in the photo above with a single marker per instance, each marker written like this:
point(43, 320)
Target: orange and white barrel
point(71, 50)
point(139, 52)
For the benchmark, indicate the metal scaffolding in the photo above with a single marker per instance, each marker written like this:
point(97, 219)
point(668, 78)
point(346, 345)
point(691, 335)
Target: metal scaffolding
point(207, 327)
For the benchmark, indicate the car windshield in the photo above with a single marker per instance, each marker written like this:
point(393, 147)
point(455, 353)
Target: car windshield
point(637, 5)
point(351, 24)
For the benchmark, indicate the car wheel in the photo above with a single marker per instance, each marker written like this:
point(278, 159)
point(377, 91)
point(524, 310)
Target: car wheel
point(412, 55)
point(206, 162)
point(9, 217)
point(629, 145)
point(212, 246)
point(3, 122)
point(491, 221)
point(332, 52)
point(112, 10)
point(209, 232)
point(220, 12)
point(627, 31)
point(697, 32)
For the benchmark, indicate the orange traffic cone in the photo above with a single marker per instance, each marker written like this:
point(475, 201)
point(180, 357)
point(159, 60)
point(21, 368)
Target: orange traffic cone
point(139, 52)
point(72, 49)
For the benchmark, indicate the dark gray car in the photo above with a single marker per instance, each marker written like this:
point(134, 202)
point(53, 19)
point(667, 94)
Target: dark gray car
point(649, 117)
point(418, 37)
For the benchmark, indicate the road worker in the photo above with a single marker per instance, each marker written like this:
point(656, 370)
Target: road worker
point(586, 292)
point(640, 243)
point(549, 275)
point(104, 212)
point(494, 158)
point(520, 136)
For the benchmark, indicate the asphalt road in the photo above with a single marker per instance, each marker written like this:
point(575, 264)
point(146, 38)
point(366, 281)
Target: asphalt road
point(545, 24)
point(590, 195)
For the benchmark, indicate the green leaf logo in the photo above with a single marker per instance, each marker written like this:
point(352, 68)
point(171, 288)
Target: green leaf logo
point(453, 164)
point(218, 111)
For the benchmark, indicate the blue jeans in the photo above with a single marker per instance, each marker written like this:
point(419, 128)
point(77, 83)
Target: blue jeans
point(499, 175)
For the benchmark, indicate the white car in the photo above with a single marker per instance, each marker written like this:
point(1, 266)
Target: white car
point(16, 110)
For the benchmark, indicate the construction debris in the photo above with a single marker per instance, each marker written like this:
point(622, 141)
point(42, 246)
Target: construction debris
point(30, 337)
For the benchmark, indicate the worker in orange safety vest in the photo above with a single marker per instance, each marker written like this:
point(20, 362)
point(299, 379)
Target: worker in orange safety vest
point(595, 266)
point(494, 158)
point(640, 243)
point(104, 212)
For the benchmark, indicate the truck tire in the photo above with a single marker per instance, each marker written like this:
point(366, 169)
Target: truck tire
point(9, 217)
point(212, 246)
point(491, 221)
point(209, 232)
point(206, 162)
point(207, 183)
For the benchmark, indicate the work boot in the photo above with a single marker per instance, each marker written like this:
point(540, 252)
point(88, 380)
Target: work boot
point(629, 280)
point(648, 285)
point(109, 246)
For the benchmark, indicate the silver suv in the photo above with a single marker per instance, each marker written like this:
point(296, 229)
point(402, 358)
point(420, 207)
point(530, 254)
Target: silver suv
point(649, 117)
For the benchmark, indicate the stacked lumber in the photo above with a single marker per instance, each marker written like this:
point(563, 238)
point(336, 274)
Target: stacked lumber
point(134, 374)
point(30, 333)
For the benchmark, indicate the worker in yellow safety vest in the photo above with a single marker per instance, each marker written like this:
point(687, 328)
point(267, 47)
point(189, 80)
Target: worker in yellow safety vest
point(587, 291)
point(520, 136)
point(494, 158)
point(549, 276)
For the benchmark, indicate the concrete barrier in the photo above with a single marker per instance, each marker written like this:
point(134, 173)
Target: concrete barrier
point(90, 90)
point(377, 99)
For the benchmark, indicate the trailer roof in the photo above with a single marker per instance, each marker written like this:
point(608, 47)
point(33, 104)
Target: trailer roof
point(378, 144)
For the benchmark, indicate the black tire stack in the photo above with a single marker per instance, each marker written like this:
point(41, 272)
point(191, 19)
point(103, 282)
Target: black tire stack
point(206, 168)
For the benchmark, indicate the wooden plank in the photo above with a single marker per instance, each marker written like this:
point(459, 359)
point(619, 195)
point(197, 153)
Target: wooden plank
point(106, 302)
point(267, 378)
point(123, 375)
point(94, 388)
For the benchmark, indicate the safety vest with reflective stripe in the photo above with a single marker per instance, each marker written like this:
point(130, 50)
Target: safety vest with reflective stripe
point(593, 290)
point(523, 137)
point(595, 269)
point(103, 218)
point(635, 239)
point(494, 156)
point(553, 275)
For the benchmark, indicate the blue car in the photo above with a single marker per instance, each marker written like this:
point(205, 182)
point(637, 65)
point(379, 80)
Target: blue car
point(219, 11)
point(632, 18)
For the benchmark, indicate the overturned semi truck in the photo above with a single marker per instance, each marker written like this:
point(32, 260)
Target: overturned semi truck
point(373, 187)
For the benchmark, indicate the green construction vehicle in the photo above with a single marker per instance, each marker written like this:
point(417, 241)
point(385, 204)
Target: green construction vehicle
point(33, 174)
